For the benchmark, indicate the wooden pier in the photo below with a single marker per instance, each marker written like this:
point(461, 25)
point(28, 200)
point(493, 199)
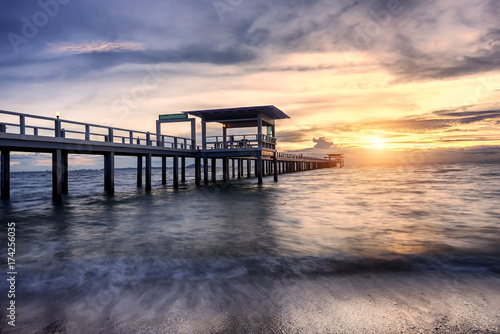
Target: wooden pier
point(242, 155)
point(335, 160)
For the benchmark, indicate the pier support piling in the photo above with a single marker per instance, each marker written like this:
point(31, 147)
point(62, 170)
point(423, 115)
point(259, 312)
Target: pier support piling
point(240, 168)
point(109, 172)
point(275, 168)
point(249, 168)
point(225, 169)
point(176, 172)
point(139, 171)
point(213, 169)
point(205, 170)
point(5, 177)
point(197, 171)
point(183, 169)
point(259, 168)
point(148, 172)
point(57, 176)
point(65, 166)
point(163, 170)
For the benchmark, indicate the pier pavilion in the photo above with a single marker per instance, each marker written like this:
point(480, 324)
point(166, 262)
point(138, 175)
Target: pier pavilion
point(258, 146)
point(254, 151)
point(335, 160)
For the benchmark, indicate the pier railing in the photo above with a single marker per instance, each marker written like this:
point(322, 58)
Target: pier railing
point(240, 141)
point(24, 124)
point(291, 156)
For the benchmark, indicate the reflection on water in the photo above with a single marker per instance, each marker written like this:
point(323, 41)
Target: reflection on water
point(236, 246)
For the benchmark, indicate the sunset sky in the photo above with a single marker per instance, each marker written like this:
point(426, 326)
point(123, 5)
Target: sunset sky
point(381, 81)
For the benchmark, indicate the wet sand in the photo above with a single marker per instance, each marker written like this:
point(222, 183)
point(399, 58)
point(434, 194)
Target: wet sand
point(371, 303)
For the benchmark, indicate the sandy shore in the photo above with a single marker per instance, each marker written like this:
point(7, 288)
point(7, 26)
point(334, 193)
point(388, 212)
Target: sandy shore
point(372, 303)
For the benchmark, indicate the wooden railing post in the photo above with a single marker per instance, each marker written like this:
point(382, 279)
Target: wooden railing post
point(22, 125)
point(87, 132)
point(110, 135)
point(57, 128)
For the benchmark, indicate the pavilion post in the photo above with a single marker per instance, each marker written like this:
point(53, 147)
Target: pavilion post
point(204, 134)
point(259, 130)
point(224, 135)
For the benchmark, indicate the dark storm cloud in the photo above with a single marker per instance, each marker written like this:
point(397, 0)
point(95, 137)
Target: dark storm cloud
point(413, 64)
point(195, 37)
point(415, 61)
point(195, 31)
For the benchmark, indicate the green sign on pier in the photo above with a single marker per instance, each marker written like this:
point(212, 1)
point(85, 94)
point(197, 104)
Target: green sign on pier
point(173, 116)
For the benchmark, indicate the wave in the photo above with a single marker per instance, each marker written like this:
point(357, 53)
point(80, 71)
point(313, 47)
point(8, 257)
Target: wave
point(447, 170)
point(490, 174)
point(73, 274)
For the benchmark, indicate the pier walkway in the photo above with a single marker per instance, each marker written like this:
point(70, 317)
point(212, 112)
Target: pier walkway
point(244, 154)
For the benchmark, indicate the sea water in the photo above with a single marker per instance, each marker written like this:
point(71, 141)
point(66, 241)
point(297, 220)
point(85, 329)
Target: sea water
point(306, 254)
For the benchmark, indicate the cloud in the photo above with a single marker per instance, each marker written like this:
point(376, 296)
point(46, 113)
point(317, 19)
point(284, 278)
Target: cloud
point(123, 32)
point(95, 46)
point(423, 49)
point(303, 56)
point(322, 143)
point(437, 120)
point(367, 156)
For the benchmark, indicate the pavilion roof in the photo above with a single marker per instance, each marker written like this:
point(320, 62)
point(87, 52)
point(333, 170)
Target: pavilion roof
point(238, 113)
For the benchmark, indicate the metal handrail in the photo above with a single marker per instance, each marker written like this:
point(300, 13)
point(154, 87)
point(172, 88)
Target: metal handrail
point(151, 139)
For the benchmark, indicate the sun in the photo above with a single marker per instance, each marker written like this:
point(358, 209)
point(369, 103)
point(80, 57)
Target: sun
point(378, 142)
